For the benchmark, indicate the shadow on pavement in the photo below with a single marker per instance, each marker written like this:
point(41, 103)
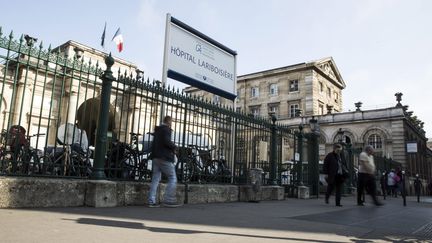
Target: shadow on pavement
point(391, 222)
point(134, 225)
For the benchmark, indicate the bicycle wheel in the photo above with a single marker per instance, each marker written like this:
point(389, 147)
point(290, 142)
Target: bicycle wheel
point(34, 163)
point(129, 165)
point(213, 171)
point(143, 171)
point(44, 163)
point(185, 170)
point(80, 165)
point(121, 162)
point(7, 162)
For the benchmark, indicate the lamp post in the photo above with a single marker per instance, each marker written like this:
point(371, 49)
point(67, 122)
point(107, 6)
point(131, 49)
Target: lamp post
point(102, 128)
point(403, 188)
point(300, 155)
point(313, 157)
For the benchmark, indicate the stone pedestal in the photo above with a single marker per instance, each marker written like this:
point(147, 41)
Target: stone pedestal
point(302, 192)
point(102, 194)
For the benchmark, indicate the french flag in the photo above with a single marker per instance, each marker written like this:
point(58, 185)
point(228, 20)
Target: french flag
point(118, 39)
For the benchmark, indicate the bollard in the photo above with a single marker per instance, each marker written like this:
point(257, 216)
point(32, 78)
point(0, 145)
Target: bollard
point(417, 187)
point(403, 188)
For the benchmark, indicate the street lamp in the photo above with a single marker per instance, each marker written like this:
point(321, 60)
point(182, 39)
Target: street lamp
point(314, 126)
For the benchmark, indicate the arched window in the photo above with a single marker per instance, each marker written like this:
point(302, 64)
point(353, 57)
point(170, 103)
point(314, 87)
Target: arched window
point(375, 141)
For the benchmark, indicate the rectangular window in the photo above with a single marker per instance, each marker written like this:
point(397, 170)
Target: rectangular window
point(216, 99)
point(293, 85)
point(321, 87)
point(254, 92)
point(238, 109)
point(328, 92)
point(321, 109)
point(274, 109)
point(273, 89)
point(292, 110)
point(255, 110)
point(238, 94)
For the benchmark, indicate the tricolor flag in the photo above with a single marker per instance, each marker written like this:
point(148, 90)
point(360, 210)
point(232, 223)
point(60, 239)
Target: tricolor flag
point(103, 37)
point(118, 39)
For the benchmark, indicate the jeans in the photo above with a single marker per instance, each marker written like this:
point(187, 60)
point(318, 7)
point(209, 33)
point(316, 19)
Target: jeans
point(161, 166)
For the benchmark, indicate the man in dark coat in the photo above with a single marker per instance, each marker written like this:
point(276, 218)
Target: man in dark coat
point(162, 154)
point(336, 170)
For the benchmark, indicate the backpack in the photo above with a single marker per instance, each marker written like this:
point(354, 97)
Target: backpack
point(396, 178)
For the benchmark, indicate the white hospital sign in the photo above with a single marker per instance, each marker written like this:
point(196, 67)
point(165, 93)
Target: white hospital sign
point(197, 60)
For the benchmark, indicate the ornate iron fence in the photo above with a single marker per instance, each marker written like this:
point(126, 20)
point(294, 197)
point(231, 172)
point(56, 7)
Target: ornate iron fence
point(50, 101)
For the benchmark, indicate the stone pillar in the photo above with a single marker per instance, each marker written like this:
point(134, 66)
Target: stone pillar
point(73, 99)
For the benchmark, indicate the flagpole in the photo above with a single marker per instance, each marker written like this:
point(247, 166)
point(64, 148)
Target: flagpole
point(165, 64)
point(103, 37)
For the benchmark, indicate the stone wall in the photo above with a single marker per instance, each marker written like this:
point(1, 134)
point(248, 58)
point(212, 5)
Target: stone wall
point(23, 192)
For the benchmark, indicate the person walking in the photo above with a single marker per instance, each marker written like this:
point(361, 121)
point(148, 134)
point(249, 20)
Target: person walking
point(336, 171)
point(391, 182)
point(163, 155)
point(367, 176)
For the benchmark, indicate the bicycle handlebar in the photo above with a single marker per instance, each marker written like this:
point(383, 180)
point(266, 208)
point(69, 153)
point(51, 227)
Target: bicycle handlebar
point(135, 134)
point(36, 135)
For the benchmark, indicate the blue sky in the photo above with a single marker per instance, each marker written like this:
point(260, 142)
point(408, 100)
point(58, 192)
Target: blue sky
point(380, 46)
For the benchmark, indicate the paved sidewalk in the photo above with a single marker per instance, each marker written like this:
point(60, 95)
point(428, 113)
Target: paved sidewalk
point(292, 220)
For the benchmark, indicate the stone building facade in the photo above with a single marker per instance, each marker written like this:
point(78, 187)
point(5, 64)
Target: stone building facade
point(312, 87)
point(316, 89)
point(41, 95)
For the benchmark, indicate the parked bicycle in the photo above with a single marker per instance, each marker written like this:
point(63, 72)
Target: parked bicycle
point(219, 170)
point(128, 161)
point(195, 163)
point(16, 154)
point(72, 157)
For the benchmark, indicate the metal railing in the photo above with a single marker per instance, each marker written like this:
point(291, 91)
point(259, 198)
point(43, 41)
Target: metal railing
point(47, 92)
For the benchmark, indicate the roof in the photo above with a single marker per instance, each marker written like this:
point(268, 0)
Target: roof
point(325, 66)
point(94, 52)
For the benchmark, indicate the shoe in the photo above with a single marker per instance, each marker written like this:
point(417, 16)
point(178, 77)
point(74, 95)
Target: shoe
point(339, 205)
point(171, 205)
point(326, 201)
point(360, 204)
point(379, 204)
point(153, 205)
